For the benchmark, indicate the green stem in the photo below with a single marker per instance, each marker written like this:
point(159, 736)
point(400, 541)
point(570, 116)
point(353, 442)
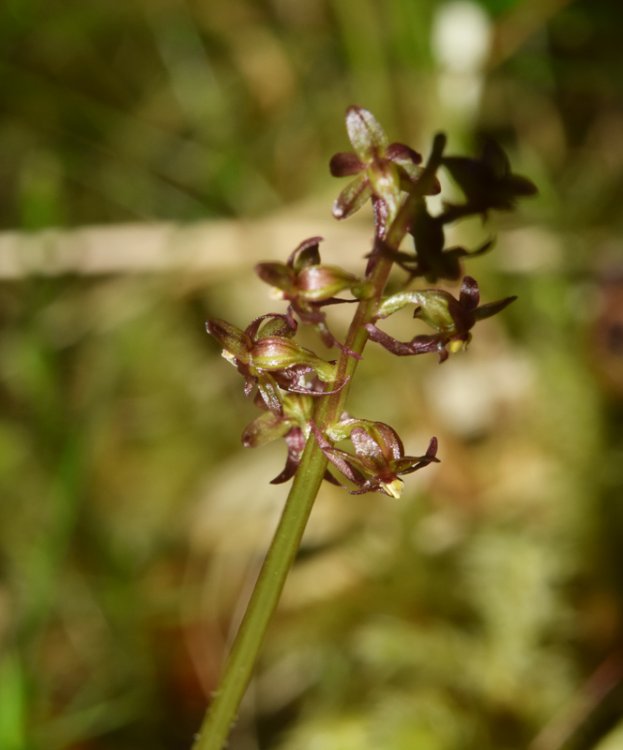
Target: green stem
point(263, 602)
point(284, 546)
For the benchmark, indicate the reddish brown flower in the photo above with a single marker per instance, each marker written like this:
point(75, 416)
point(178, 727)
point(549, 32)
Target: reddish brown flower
point(451, 318)
point(309, 285)
point(378, 460)
point(265, 354)
point(383, 170)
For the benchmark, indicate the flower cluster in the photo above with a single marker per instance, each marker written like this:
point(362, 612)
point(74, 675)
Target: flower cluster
point(284, 377)
point(289, 383)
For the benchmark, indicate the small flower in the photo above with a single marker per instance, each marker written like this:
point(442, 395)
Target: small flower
point(265, 354)
point(378, 460)
point(383, 170)
point(304, 278)
point(451, 318)
point(308, 285)
point(270, 426)
point(291, 424)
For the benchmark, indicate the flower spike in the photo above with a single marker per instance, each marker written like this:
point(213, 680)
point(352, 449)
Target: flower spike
point(302, 397)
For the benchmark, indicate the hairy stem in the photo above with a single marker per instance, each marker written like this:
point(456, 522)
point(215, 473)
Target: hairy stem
point(284, 546)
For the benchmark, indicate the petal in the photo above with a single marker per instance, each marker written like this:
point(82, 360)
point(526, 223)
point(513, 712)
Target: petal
point(365, 445)
point(295, 440)
point(389, 440)
point(231, 338)
point(402, 154)
point(486, 311)
point(293, 380)
point(275, 353)
point(365, 133)
point(305, 254)
point(441, 311)
point(393, 488)
point(344, 164)
point(428, 184)
point(397, 301)
point(412, 174)
point(461, 252)
point(340, 459)
point(269, 394)
point(277, 275)
point(470, 294)
point(409, 464)
point(418, 345)
point(496, 159)
point(271, 324)
point(407, 160)
point(522, 186)
point(352, 198)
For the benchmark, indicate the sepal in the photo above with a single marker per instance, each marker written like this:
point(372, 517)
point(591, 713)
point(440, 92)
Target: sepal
point(352, 197)
point(365, 133)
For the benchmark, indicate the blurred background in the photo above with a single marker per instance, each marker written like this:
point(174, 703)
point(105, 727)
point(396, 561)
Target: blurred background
point(151, 152)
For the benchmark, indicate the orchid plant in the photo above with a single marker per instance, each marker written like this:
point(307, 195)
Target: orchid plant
point(302, 397)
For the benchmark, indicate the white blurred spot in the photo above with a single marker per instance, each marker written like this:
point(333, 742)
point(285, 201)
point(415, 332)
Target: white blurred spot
point(461, 41)
point(461, 36)
point(469, 395)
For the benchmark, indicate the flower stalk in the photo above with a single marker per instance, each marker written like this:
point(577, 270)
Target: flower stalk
point(289, 532)
point(303, 397)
